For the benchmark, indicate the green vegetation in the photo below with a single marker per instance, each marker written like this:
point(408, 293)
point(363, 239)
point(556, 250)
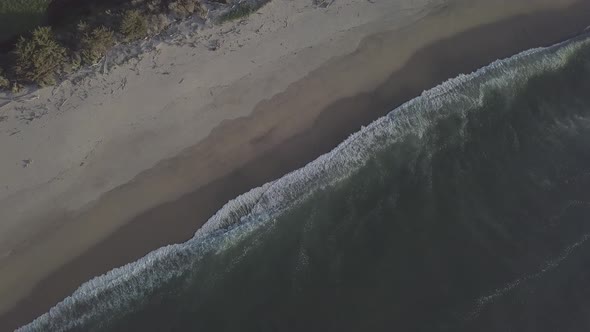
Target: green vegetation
point(134, 25)
point(184, 8)
point(4, 82)
point(95, 44)
point(20, 16)
point(39, 58)
point(242, 10)
point(238, 12)
point(81, 32)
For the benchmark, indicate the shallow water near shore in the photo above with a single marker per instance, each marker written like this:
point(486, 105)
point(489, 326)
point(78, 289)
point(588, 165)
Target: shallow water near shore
point(463, 210)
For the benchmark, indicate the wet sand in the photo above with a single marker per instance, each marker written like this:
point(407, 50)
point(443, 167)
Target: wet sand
point(273, 152)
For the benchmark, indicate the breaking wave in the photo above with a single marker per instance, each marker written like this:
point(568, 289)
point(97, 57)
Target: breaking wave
point(119, 291)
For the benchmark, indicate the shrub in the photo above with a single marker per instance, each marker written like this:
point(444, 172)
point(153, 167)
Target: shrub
point(183, 8)
point(39, 58)
point(241, 10)
point(74, 63)
point(134, 25)
point(238, 12)
point(4, 82)
point(157, 23)
point(96, 43)
point(16, 87)
point(154, 6)
point(82, 26)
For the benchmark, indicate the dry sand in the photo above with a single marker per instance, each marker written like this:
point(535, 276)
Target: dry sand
point(130, 159)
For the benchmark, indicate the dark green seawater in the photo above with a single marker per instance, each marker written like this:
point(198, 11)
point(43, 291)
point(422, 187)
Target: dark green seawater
point(466, 209)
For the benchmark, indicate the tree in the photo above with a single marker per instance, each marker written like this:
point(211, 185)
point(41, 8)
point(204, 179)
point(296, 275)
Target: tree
point(39, 58)
point(96, 43)
point(134, 25)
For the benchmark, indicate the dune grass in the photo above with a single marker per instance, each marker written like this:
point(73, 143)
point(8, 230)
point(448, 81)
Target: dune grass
point(20, 16)
point(82, 32)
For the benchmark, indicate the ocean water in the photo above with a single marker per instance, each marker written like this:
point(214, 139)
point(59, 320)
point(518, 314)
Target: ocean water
point(465, 209)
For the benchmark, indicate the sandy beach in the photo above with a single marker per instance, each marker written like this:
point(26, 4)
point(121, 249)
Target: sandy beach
point(99, 171)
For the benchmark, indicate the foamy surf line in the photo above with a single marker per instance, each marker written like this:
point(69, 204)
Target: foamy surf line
point(111, 294)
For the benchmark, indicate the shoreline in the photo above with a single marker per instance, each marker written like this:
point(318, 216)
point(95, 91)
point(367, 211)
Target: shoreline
point(276, 151)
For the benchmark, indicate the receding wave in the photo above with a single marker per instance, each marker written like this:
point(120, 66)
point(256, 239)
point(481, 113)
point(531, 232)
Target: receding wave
point(118, 292)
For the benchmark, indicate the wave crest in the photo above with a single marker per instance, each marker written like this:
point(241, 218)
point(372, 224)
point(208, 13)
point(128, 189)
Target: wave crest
point(109, 295)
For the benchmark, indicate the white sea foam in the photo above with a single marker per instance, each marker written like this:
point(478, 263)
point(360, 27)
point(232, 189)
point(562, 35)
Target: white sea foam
point(110, 294)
